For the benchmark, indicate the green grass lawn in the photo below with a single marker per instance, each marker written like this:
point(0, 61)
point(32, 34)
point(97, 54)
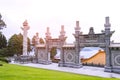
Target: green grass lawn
point(16, 72)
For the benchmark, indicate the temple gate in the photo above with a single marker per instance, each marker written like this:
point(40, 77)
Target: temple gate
point(43, 51)
point(70, 53)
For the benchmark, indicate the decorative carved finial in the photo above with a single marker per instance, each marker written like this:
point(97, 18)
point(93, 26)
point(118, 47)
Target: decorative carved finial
point(62, 30)
point(77, 23)
point(77, 28)
point(48, 29)
point(37, 34)
point(48, 32)
point(25, 23)
point(62, 27)
point(107, 20)
point(91, 30)
point(107, 23)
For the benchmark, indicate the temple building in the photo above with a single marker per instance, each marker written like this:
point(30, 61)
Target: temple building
point(93, 56)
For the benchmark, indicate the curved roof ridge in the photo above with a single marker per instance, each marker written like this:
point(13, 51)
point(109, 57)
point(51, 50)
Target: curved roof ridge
point(88, 52)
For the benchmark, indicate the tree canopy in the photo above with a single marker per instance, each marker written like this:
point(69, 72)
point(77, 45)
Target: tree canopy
point(41, 41)
point(15, 44)
point(3, 41)
point(2, 23)
point(33, 41)
point(3, 45)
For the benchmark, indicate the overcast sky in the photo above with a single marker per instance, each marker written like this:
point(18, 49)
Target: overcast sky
point(54, 13)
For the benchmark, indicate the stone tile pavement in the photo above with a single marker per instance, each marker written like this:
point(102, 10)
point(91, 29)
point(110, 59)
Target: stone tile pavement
point(85, 70)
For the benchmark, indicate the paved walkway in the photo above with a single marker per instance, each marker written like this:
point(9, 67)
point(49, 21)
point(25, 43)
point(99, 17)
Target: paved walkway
point(86, 70)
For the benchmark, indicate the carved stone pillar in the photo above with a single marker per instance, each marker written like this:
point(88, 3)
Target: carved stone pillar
point(25, 29)
point(107, 26)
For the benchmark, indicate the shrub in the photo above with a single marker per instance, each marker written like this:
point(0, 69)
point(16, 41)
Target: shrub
point(4, 59)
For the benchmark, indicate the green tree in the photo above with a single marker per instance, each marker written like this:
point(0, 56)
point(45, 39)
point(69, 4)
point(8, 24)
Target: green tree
point(33, 41)
point(4, 52)
point(53, 52)
point(29, 45)
point(2, 23)
point(3, 45)
point(41, 41)
point(3, 41)
point(15, 44)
